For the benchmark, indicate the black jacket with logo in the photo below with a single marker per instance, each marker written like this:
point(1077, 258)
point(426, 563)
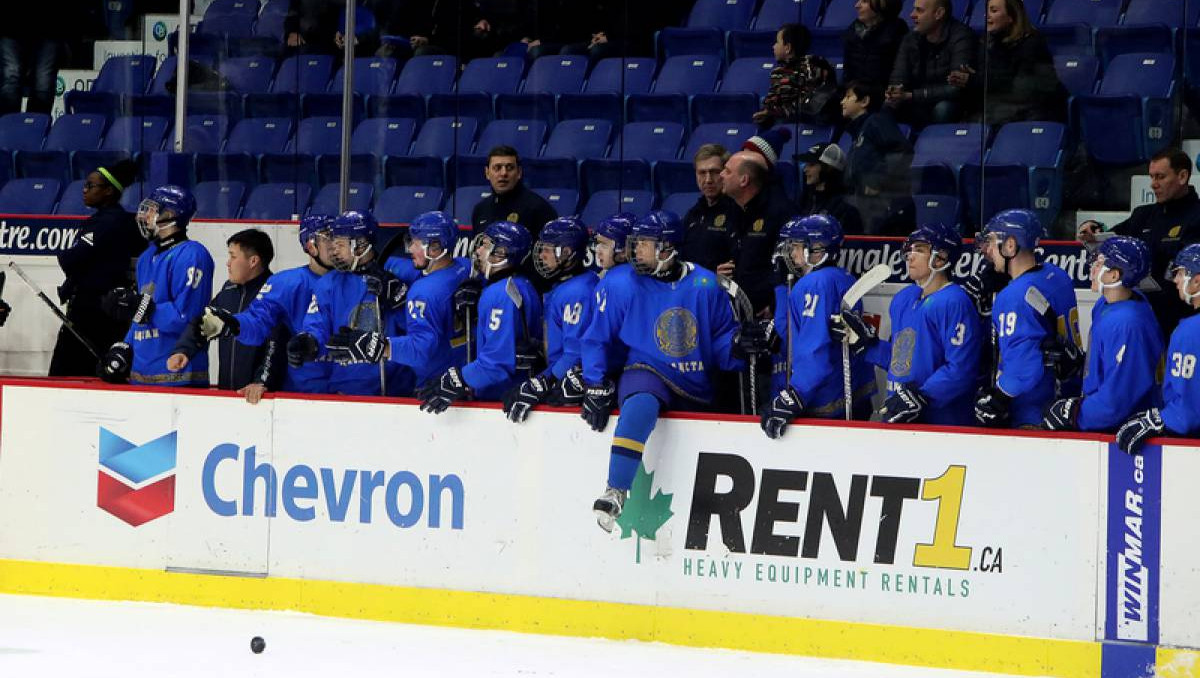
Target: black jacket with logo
point(759, 224)
point(711, 238)
point(1166, 227)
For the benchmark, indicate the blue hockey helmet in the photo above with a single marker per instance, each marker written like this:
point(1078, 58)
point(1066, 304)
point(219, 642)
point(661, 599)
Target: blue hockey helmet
point(615, 228)
point(504, 244)
point(822, 229)
point(560, 233)
point(665, 231)
point(434, 227)
point(1130, 256)
point(167, 205)
point(940, 237)
point(313, 225)
point(1021, 224)
point(361, 229)
point(1186, 261)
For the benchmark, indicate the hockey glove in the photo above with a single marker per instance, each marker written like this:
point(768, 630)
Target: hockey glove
point(783, 409)
point(5, 309)
point(114, 366)
point(523, 397)
point(902, 407)
point(529, 358)
point(126, 304)
point(851, 325)
point(751, 339)
point(1062, 415)
point(350, 347)
point(992, 407)
point(1133, 433)
point(301, 349)
point(383, 284)
point(569, 390)
point(217, 322)
point(982, 286)
point(440, 392)
point(598, 403)
point(1062, 356)
point(466, 297)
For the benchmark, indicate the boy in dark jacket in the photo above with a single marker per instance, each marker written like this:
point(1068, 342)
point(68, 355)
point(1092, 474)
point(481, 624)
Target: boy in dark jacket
point(880, 155)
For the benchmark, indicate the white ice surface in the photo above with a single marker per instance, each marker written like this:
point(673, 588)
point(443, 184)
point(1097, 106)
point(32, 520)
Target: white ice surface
point(96, 639)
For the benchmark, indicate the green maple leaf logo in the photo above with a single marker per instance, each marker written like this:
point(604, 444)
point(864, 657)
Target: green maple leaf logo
point(642, 513)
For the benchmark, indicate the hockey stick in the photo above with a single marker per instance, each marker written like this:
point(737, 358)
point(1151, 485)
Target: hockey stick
point(56, 310)
point(869, 281)
point(745, 312)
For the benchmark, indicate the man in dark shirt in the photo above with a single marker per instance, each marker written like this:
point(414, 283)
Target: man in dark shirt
point(937, 45)
point(510, 200)
point(762, 210)
point(1167, 226)
point(710, 239)
point(249, 370)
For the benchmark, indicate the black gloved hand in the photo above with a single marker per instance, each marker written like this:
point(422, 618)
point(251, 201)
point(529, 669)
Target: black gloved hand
point(5, 309)
point(350, 347)
point(522, 398)
point(1062, 415)
point(992, 407)
point(851, 325)
point(218, 322)
point(983, 284)
point(529, 357)
point(466, 297)
point(598, 403)
point(752, 339)
point(384, 284)
point(569, 390)
point(903, 406)
point(301, 349)
point(1133, 433)
point(1063, 356)
point(785, 407)
point(439, 393)
point(127, 305)
point(114, 366)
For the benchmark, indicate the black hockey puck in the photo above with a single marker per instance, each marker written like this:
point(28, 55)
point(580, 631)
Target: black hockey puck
point(257, 644)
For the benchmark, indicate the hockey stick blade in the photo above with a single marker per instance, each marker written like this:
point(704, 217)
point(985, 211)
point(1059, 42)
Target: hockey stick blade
point(867, 282)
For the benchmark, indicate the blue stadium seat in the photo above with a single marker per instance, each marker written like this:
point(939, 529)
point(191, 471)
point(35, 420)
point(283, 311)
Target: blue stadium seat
point(608, 106)
point(164, 74)
point(621, 76)
point(463, 201)
point(803, 138)
point(840, 13)
point(582, 138)
point(445, 137)
point(414, 170)
point(219, 199)
point(749, 45)
point(729, 135)
point(135, 134)
point(596, 174)
point(1068, 39)
point(401, 204)
point(751, 75)
point(776, 13)
point(120, 75)
point(372, 141)
point(247, 10)
point(205, 133)
point(937, 209)
point(550, 172)
point(727, 15)
point(297, 75)
point(132, 196)
point(71, 132)
point(675, 42)
point(680, 203)
point(723, 108)
point(249, 74)
point(297, 162)
point(427, 75)
point(1173, 13)
point(648, 141)
point(71, 201)
point(277, 202)
point(1024, 169)
point(548, 77)
point(674, 176)
point(1078, 74)
point(479, 82)
point(689, 74)
point(1091, 12)
point(564, 201)
point(940, 152)
point(1114, 40)
point(411, 106)
point(526, 136)
point(271, 20)
point(359, 197)
point(29, 196)
point(225, 26)
point(372, 75)
point(23, 131)
point(465, 170)
point(607, 203)
point(249, 139)
point(1131, 116)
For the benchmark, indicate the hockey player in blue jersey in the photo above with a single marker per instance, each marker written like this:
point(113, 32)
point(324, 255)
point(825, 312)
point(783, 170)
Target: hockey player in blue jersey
point(359, 294)
point(567, 307)
point(429, 346)
point(1125, 346)
point(1034, 314)
point(174, 282)
point(284, 299)
point(508, 329)
point(809, 247)
point(1180, 411)
point(932, 358)
point(678, 326)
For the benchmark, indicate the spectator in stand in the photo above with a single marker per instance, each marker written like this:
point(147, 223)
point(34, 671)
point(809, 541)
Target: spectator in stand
point(1021, 81)
point(938, 44)
point(594, 28)
point(510, 200)
point(100, 261)
point(825, 187)
point(795, 78)
point(32, 40)
point(249, 370)
point(316, 26)
point(872, 41)
point(1167, 226)
point(877, 169)
point(763, 209)
point(710, 239)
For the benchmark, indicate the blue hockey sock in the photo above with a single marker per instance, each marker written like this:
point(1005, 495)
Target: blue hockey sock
point(639, 414)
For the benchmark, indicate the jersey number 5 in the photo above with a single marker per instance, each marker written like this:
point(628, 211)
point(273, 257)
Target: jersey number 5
point(494, 319)
point(1183, 365)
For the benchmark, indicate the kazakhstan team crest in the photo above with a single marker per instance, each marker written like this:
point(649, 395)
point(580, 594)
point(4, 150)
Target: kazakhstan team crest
point(902, 352)
point(676, 332)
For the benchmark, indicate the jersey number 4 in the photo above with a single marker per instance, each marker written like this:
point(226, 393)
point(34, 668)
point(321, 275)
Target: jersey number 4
point(1183, 365)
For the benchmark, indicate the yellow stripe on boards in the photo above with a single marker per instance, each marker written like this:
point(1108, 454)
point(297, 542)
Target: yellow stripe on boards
point(629, 444)
point(1173, 663)
point(530, 614)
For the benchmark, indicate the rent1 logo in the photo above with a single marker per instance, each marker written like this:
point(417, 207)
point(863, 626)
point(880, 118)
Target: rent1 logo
point(840, 508)
point(136, 482)
point(347, 493)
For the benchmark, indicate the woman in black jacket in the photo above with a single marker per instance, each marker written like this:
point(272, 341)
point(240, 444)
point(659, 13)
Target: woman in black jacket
point(871, 42)
point(1016, 64)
